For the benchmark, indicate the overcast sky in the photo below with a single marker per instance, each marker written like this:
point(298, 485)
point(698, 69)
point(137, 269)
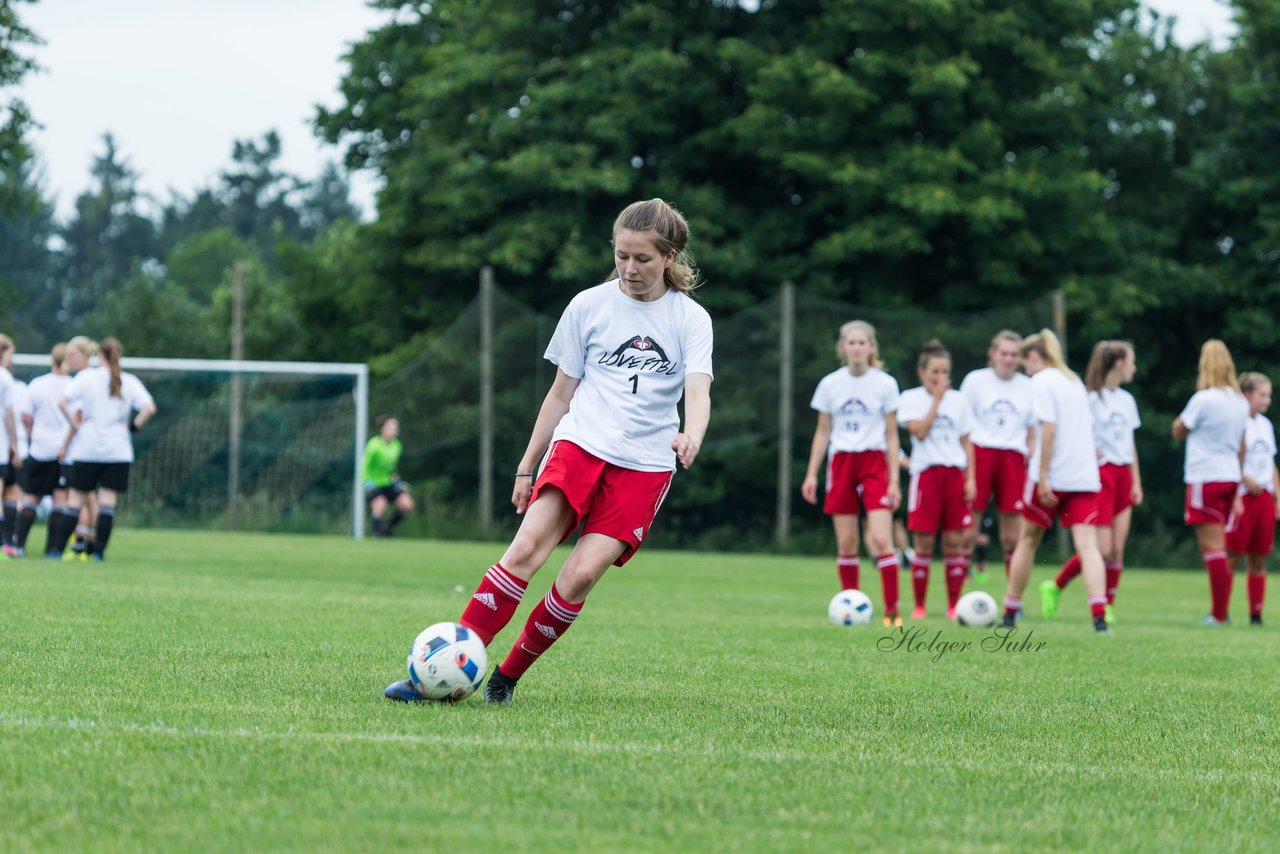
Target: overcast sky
point(177, 81)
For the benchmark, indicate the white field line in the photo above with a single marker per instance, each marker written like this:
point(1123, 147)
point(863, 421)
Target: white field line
point(730, 753)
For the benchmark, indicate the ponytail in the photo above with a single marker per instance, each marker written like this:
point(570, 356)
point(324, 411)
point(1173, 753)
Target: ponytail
point(110, 352)
point(1046, 344)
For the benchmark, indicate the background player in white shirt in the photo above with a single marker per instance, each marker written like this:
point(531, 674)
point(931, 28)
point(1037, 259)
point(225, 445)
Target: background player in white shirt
point(1252, 532)
point(1115, 420)
point(857, 436)
point(83, 522)
point(1062, 477)
point(20, 402)
point(942, 479)
point(1213, 424)
point(103, 401)
point(42, 472)
point(608, 432)
point(1000, 398)
point(12, 459)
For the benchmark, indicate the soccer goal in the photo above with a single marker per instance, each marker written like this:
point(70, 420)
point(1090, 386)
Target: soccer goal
point(246, 445)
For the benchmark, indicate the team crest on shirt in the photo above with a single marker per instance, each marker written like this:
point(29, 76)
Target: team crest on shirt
point(640, 353)
point(855, 407)
point(1003, 409)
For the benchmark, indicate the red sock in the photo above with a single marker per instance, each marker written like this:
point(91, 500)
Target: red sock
point(888, 564)
point(1114, 569)
point(920, 577)
point(847, 566)
point(493, 604)
point(1097, 606)
point(549, 619)
point(1069, 570)
point(1012, 605)
point(1215, 562)
point(1257, 587)
point(957, 572)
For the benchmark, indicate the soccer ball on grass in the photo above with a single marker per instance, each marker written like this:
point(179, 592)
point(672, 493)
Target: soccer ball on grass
point(976, 609)
point(850, 608)
point(447, 662)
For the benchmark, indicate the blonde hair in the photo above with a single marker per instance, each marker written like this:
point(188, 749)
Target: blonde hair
point(671, 233)
point(58, 355)
point(1252, 381)
point(1046, 344)
point(87, 346)
point(6, 343)
point(874, 360)
point(1005, 335)
point(1216, 368)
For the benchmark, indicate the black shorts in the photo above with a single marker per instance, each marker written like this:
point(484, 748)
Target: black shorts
point(6, 474)
point(42, 477)
point(391, 493)
point(87, 477)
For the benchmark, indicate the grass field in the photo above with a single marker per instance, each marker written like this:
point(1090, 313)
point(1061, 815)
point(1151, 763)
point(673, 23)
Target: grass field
point(223, 692)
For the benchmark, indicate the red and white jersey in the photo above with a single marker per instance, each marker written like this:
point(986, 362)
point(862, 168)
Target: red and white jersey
point(1001, 409)
point(942, 447)
point(105, 417)
point(857, 406)
point(1115, 418)
point(1216, 420)
point(48, 425)
point(1063, 402)
point(1260, 451)
point(632, 358)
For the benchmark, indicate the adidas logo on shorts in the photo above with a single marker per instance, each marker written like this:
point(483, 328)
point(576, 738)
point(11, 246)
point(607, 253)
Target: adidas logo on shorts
point(486, 599)
point(639, 532)
point(546, 631)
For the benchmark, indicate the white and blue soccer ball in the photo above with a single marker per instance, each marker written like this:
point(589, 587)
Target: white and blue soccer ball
point(447, 662)
point(977, 609)
point(850, 608)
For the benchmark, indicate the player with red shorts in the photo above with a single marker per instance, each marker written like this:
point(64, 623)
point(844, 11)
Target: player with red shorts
point(857, 436)
point(1062, 476)
point(1115, 418)
point(1213, 424)
point(1000, 398)
point(942, 486)
point(1252, 532)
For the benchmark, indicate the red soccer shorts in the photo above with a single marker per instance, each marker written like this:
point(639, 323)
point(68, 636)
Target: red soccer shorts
point(935, 501)
point(1209, 503)
point(1116, 494)
point(1073, 508)
point(1253, 532)
point(1002, 473)
point(856, 479)
point(607, 499)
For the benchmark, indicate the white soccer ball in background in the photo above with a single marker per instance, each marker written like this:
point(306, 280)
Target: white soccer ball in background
point(850, 608)
point(447, 662)
point(977, 609)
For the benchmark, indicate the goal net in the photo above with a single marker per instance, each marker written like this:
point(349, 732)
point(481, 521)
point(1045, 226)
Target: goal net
point(242, 445)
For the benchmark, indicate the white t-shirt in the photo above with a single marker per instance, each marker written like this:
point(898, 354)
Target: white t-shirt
point(1115, 418)
point(6, 402)
point(107, 440)
point(48, 425)
point(1216, 418)
point(632, 358)
point(1260, 451)
point(21, 402)
point(942, 446)
point(857, 406)
point(1001, 409)
point(1063, 402)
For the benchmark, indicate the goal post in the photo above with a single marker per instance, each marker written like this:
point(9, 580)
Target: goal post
point(305, 420)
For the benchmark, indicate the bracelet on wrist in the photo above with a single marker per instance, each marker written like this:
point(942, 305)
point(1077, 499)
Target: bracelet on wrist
point(525, 474)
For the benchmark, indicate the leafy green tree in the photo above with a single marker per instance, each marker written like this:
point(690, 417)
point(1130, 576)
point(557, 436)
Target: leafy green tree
point(15, 119)
point(29, 299)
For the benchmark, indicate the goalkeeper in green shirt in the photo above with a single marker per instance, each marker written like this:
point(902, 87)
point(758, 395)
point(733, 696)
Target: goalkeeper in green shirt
point(382, 483)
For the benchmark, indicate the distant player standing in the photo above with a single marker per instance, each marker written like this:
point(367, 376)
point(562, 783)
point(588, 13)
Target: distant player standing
point(1062, 477)
point(608, 433)
point(1115, 419)
point(1213, 424)
point(942, 480)
point(857, 436)
point(42, 473)
point(103, 401)
point(12, 458)
point(382, 484)
point(1000, 398)
point(21, 403)
point(1252, 532)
